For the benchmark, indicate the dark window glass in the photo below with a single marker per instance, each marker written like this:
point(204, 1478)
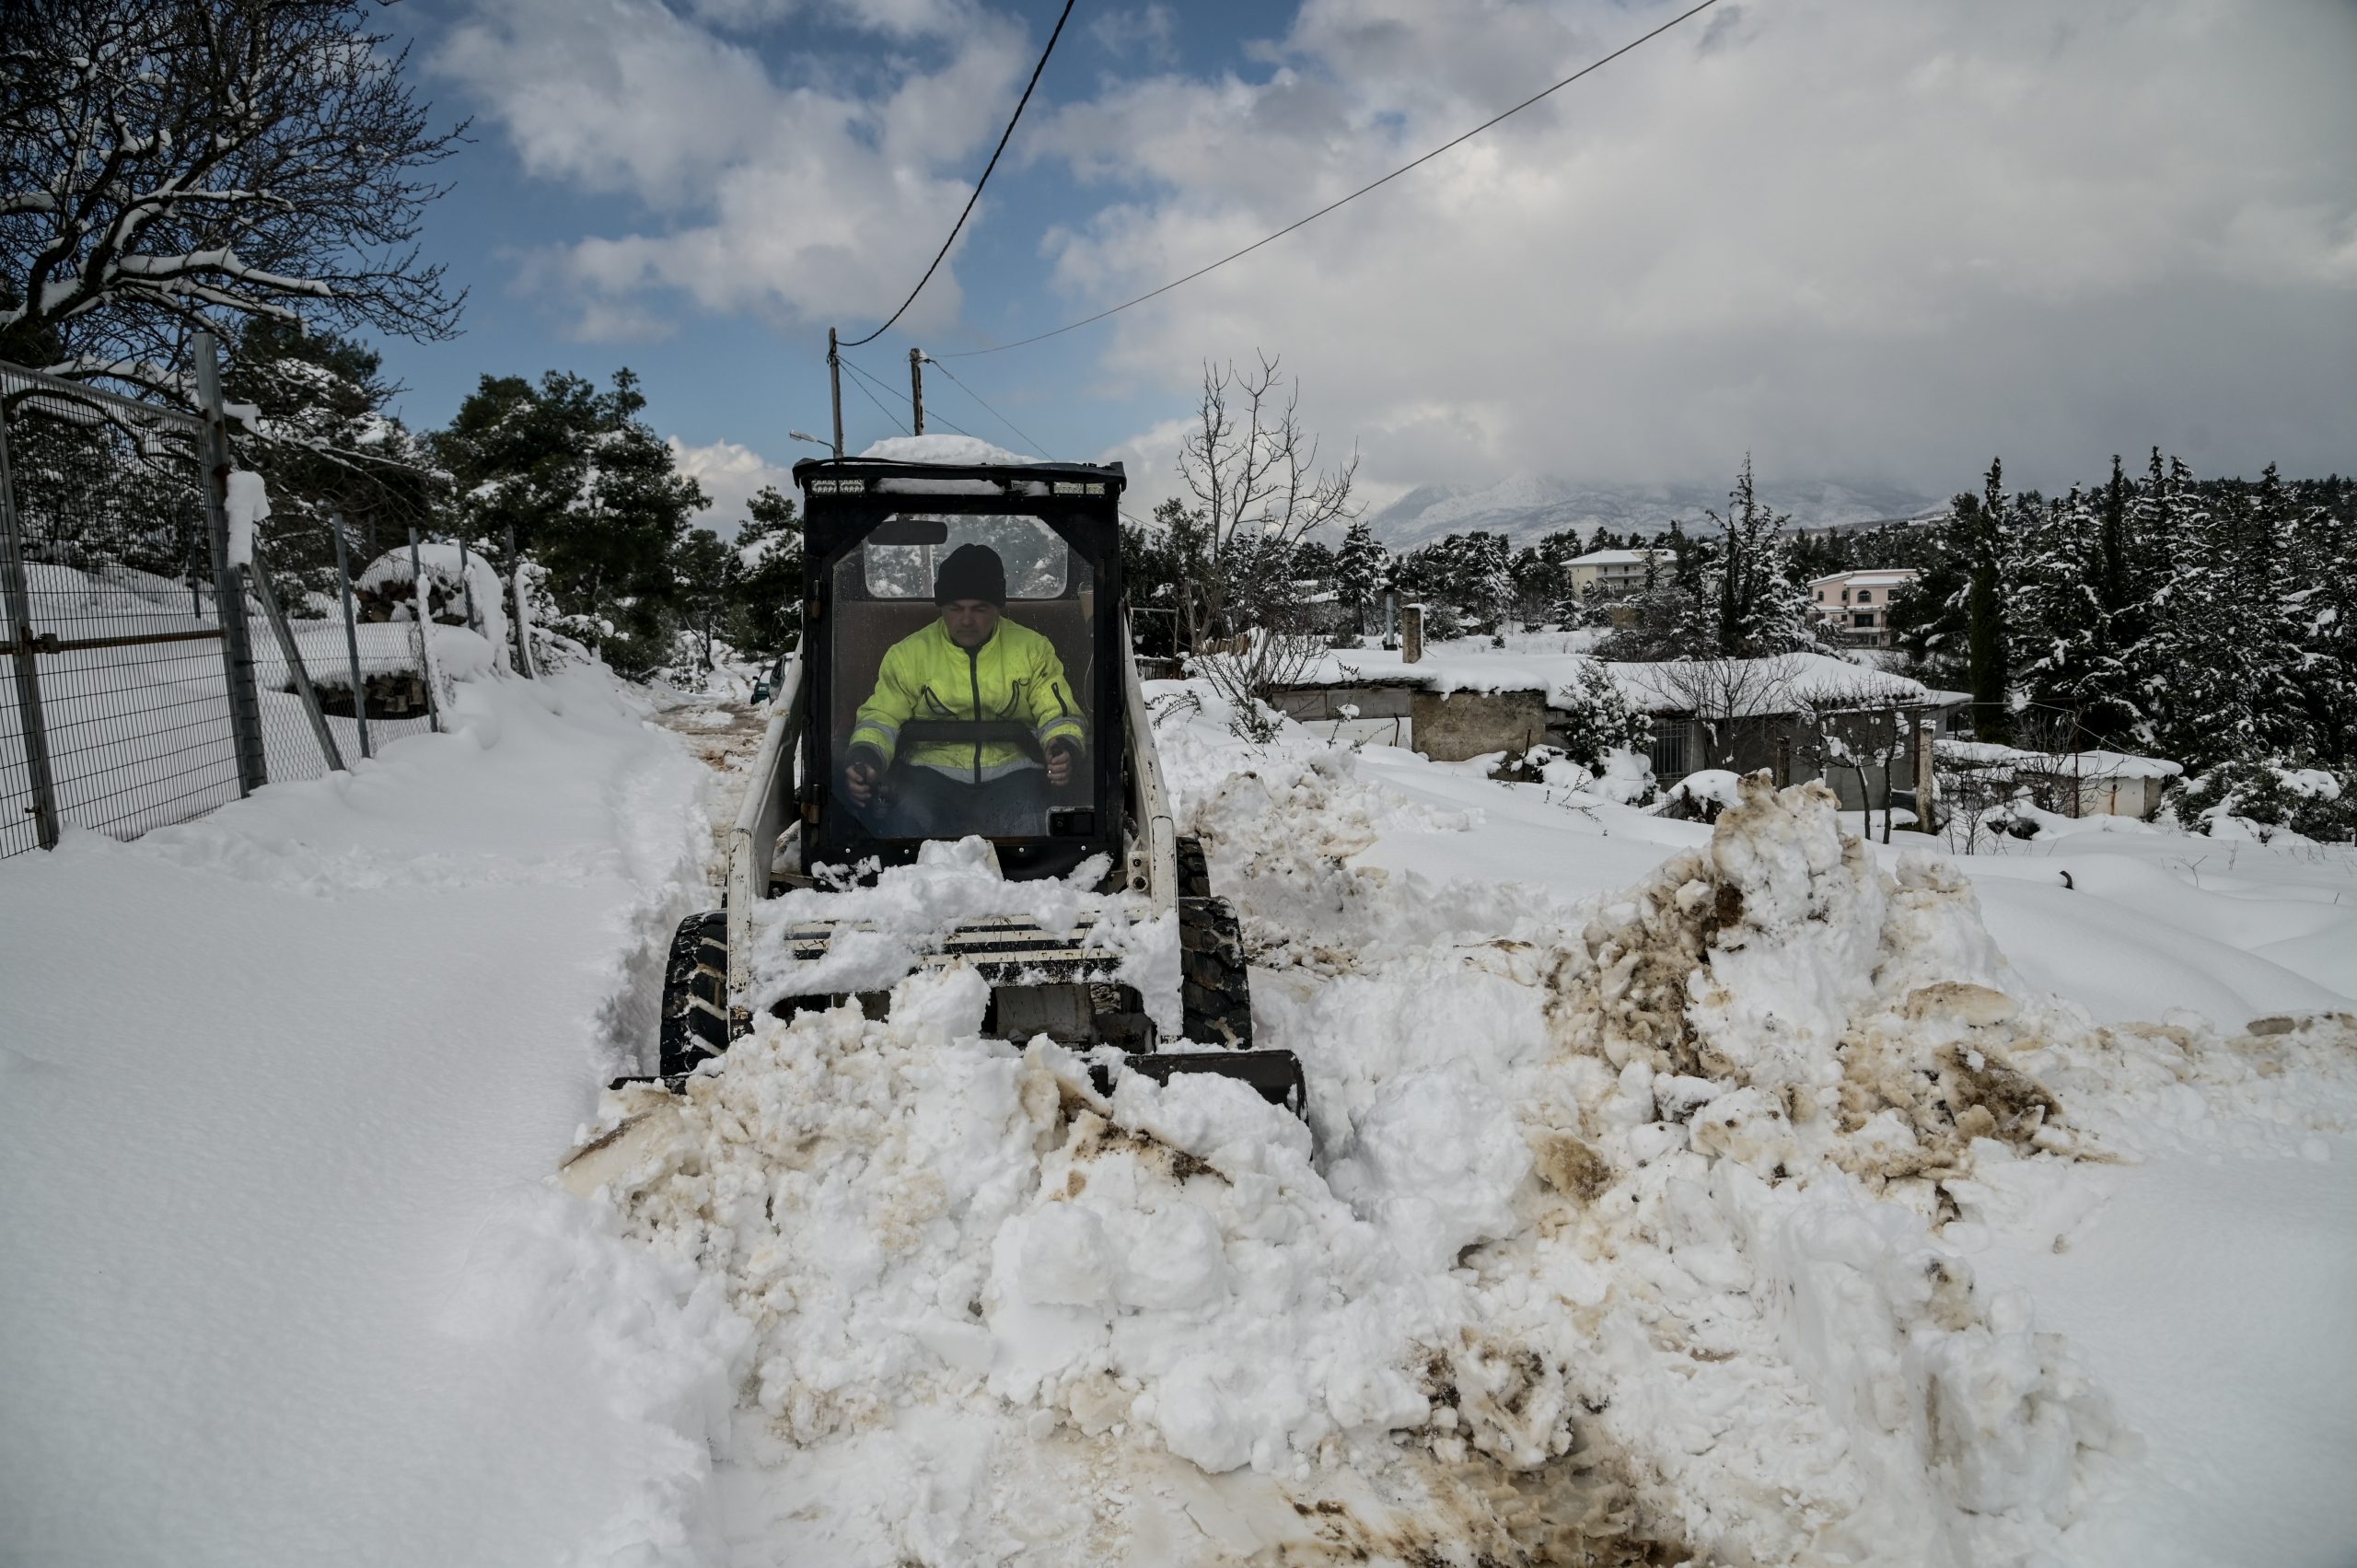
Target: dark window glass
point(961, 736)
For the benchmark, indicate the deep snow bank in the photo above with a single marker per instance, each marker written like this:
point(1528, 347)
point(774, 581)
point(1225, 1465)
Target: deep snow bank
point(278, 1093)
point(1647, 1207)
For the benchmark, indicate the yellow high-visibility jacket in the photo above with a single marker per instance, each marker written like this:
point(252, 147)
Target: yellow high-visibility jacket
point(1016, 675)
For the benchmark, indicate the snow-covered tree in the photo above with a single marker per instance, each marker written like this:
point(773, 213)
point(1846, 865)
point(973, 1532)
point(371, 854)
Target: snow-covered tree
point(1757, 607)
point(591, 493)
point(766, 613)
point(1362, 570)
point(1597, 719)
point(2224, 662)
point(169, 164)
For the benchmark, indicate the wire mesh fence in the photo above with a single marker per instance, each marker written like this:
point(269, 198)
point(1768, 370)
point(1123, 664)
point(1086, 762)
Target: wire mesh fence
point(119, 718)
point(135, 694)
point(351, 615)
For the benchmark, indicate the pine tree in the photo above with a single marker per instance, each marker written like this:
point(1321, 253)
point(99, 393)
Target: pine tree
point(707, 569)
point(765, 613)
point(1760, 609)
point(1491, 581)
point(592, 494)
point(1596, 720)
point(2223, 657)
point(2321, 567)
point(1361, 570)
point(1978, 540)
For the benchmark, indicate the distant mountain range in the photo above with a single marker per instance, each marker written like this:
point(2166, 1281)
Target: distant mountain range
point(1527, 507)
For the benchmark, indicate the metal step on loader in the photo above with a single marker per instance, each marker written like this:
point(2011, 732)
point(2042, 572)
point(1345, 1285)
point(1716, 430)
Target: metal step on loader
point(966, 669)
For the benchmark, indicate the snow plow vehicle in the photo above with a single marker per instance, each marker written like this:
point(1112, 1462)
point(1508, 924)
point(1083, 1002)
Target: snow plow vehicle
point(966, 672)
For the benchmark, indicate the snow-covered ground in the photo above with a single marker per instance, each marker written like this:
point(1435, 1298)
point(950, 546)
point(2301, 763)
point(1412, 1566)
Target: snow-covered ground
point(1747, 1195)
point(279, 1091)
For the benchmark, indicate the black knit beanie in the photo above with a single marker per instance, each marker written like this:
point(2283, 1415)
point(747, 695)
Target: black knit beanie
point(972, 571)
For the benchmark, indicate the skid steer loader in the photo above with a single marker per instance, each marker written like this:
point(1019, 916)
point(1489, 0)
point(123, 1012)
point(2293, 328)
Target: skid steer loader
point(877, 534)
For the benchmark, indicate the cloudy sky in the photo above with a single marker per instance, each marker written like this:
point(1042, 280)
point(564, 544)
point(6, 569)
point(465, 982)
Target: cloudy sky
point(1868, 241)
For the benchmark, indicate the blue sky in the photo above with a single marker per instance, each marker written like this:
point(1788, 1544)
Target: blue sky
point(1866, 244)
point(746, 378)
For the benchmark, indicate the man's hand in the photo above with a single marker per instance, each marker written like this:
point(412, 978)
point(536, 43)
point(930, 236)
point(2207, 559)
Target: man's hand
point(859, 780)
point(1059, 758)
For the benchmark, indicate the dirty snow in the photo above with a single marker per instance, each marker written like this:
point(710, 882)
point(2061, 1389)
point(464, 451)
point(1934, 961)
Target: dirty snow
point(1646, 1217)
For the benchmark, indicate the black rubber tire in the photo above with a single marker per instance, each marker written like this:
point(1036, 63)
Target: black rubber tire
point(695, 993)
point(1194, 870)
point(1214, 982)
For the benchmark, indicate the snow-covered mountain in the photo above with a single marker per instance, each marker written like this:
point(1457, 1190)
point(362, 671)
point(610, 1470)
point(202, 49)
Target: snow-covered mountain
point(1529, 505)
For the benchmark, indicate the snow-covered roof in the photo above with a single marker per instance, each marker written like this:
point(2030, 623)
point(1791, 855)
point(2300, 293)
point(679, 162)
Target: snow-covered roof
point(964, 449)
point(1755, 688)
point(2084, 764)
point(1739, 688)
point(1870, 577)
point(1617, 557)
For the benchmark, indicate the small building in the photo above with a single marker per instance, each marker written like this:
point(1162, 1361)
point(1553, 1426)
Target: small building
point(1856, 606)
point(1797, 716)
point(1614, 573)
point(2069, 784)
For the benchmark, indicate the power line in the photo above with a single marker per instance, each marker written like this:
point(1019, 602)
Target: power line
point(895, 391)
point(987, 407)
point(985, 180)
point(1303, 223)
point(887, 414)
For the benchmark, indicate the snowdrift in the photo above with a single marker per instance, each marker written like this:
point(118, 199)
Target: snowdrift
point(1629, 1231)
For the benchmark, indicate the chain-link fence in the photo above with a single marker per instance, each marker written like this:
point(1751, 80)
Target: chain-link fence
point(135, 695)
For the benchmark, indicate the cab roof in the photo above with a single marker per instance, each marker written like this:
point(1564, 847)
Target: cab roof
point(886, 476)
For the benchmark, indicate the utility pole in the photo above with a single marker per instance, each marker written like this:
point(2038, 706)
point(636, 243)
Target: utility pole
point(835, 386)
point(916, 389)
point(228, 578)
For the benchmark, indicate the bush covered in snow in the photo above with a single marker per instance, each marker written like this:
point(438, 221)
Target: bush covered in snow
point(2263, 800)
point(1597, 718)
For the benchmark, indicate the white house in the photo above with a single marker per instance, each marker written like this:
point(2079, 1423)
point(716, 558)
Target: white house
point(1857, 604)
point(1612, 574)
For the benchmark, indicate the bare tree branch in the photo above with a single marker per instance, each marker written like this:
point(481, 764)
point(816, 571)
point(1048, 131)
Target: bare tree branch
point(171, 164)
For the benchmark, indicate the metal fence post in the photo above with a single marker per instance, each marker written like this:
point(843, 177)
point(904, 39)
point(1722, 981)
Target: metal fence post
point(519, 621)
point(229, 584)
point(466, 582)
point(27, 659)
point(425, 639)
point(289, 650)
point(350, 632)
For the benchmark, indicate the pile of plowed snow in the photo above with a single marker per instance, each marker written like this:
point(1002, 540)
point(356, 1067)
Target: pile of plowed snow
point(1640, 1209)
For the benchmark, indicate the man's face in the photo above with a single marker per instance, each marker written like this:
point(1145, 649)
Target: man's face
point(969, 622)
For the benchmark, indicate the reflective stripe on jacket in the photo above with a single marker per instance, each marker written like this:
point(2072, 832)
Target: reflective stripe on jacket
point(1015, 676)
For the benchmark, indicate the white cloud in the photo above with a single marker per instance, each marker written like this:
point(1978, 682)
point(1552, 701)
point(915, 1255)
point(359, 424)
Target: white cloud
point(766, 198)
point(1864, 241)
point(731, 474)
point(1147, 31)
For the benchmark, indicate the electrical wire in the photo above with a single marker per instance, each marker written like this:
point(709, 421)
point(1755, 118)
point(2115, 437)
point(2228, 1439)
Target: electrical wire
point(905, 397)
point(985, 180)
point(1303, 223)
point(861, 385)
point(1038, 451)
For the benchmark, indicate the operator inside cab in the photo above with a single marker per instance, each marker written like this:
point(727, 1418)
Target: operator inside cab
point(970, 664)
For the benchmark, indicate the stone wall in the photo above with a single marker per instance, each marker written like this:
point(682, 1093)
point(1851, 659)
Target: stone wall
point(1446, 729)
point(1468, 724)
